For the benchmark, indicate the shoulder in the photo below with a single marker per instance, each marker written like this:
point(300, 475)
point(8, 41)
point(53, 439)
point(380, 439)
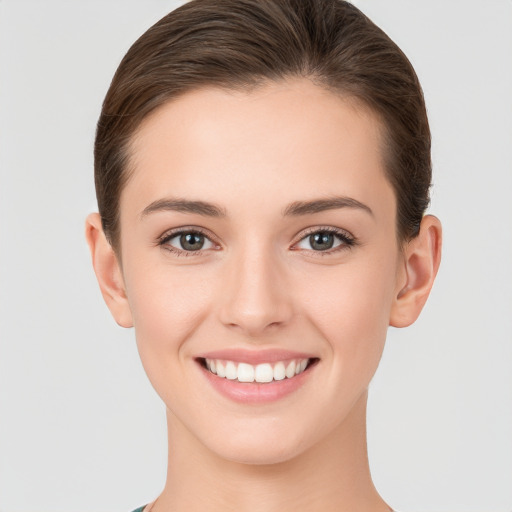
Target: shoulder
point(140, 509)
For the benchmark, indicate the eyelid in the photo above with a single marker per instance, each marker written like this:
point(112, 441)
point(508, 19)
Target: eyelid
point(349, 239)
point(174, 232)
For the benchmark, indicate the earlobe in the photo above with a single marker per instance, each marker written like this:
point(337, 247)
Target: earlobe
point(421, 260)
point(108, 271)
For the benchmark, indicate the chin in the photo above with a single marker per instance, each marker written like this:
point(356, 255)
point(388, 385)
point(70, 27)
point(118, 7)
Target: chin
point(259, 455)
point(263, 445)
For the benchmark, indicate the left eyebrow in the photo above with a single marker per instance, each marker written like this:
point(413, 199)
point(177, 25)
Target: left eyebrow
point(320, 205)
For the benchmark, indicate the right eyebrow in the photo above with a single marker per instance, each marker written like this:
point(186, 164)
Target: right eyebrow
point(185, 206)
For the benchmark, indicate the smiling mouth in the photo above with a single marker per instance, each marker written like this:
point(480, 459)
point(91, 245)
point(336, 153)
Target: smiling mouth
point(260, 373)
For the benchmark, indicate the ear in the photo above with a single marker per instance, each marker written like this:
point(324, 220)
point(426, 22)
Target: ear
point(108, 271)
point(421, 259)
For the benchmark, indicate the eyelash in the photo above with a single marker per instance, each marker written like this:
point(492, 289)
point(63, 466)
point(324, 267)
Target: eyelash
point(347, 240)
point(169, 235)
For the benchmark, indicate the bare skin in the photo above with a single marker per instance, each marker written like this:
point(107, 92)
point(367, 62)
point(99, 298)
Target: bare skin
point(314, 481)
point(256, 179)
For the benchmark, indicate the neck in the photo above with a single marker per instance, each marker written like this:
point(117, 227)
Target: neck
point(333, 475)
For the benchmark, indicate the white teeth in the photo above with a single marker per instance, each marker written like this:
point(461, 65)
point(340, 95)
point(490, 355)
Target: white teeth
point(263, 373)
point(221, 370)
point(290, 370)
point(231, 372)
point(245, 372)
point(279, 371)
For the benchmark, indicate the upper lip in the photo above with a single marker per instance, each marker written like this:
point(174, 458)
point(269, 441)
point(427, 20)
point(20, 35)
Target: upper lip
point(254, 356)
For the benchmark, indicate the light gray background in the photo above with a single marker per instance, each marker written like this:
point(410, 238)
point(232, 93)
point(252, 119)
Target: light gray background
point(80, 427)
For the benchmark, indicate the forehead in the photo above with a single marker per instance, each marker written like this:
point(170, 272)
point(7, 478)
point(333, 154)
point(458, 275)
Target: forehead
point(272, 144)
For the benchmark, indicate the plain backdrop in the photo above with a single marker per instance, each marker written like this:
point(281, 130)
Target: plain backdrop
point(81, 430)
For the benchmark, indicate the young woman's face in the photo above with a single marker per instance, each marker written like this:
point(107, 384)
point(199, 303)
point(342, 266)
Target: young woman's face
point(258, 236)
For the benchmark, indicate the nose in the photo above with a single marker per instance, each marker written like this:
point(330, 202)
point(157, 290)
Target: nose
point(254, 297)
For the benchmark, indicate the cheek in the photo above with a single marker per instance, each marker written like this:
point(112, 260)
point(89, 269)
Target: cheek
point(168, 305)
point(351, 309)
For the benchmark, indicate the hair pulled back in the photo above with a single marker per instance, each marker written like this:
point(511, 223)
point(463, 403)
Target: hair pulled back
point(240, 44)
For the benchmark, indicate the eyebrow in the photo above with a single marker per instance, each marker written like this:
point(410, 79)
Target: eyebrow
point(185, 206)
point(294, 209)
point(319, 205)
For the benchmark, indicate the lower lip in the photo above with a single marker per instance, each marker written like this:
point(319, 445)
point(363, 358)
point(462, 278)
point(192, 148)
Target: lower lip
point(255, 392)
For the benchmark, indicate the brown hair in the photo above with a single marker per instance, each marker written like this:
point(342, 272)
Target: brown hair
point(239, 44)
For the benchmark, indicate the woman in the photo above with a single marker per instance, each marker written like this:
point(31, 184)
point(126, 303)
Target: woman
point(262, 173)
